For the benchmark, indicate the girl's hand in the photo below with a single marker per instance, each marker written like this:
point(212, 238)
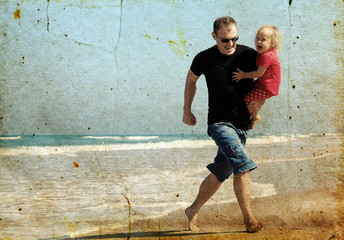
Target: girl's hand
point(237, 76)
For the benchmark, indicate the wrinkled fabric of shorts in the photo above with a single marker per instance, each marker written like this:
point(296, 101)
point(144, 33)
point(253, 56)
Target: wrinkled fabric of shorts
point(231, 156)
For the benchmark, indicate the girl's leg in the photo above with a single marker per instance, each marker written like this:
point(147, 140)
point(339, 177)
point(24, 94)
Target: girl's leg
point(253, 108)
point(254, 102)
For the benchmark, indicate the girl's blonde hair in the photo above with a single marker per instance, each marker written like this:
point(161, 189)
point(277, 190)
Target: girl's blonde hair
point(275, 36)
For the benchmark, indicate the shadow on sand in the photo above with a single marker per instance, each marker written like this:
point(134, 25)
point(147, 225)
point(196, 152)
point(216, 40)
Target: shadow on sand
point(149, 234)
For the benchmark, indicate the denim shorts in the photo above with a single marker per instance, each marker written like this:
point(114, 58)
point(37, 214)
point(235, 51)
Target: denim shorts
point(231, 156)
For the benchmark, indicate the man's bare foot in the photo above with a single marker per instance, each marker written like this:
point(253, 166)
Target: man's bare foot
point(254, 121)
point(254, 227)
point(192, 217)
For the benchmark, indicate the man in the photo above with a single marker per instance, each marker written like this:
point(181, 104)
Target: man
point(228, 118)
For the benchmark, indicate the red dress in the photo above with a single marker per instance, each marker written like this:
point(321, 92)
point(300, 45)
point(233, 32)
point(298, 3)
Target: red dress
point(267, 85)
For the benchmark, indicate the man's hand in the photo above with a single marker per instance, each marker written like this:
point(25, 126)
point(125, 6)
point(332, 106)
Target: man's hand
point(189, 93)
point(189, 118)
point(237, 76)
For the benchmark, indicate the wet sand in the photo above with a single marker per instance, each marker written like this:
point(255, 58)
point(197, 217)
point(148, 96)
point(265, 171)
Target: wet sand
point(304, 215)
point(139, 190)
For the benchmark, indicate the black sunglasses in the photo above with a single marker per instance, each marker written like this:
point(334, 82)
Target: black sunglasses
point(231, 39)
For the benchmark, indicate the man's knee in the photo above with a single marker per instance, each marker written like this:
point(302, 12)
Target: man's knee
point(213, 178)
point(242, 174)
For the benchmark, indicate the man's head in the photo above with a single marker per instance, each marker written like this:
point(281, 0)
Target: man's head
point(225, 33)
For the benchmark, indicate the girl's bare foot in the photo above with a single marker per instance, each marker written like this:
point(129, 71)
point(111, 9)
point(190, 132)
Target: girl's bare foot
point(254, 227)
point(254, 121)
point(192, 217)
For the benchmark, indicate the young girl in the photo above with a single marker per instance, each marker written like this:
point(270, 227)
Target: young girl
point(268, 45)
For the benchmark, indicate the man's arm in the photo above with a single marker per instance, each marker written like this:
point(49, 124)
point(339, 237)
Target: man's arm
point(189, 94)
point(237, 76)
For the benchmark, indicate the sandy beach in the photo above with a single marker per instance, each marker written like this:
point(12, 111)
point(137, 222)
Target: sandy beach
point(137, 187)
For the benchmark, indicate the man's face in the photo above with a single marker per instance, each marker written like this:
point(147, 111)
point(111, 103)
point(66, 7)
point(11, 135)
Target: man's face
point(226, 40)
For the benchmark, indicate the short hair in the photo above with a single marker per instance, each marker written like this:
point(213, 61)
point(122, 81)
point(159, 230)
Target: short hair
point(275, 36)
point(226, 22)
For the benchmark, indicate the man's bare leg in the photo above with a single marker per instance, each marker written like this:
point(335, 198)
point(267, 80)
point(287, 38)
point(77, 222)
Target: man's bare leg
point(253, 109)
point(243, 194)
point(207, 189)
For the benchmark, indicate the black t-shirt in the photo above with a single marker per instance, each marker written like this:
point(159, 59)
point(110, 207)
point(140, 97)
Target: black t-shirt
point(226, 97)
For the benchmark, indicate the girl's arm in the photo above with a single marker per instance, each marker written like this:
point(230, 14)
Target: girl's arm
point(237, 76)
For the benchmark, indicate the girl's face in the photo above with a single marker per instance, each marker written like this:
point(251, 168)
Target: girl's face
point(263, 42)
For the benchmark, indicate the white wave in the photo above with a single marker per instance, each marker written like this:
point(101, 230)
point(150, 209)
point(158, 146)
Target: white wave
point(136, 138)
point(141, 137)
point(104, 137)
point(177, 144)
point(269, 140)
point(10, 138)
point(63, 150)
point(298, 158)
